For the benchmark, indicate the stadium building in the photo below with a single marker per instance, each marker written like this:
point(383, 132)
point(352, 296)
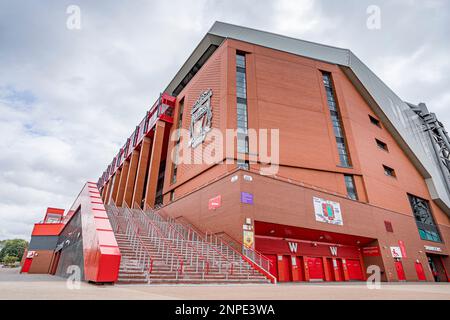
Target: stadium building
point(329, 176)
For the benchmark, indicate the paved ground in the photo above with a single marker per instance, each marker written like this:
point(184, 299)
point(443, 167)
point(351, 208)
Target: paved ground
point(23, 286)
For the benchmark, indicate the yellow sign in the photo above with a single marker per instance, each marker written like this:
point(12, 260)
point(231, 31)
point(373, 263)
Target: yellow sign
point(249, 238)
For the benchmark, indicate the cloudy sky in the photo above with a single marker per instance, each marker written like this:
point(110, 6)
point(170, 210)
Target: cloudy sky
point(69, 98)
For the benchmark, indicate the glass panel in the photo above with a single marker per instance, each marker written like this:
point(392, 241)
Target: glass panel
point(241, 93)
point(336, 121)
point(424, 219)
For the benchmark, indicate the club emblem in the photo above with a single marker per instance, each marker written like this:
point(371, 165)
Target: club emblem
point(201, 116)
point(328, 211)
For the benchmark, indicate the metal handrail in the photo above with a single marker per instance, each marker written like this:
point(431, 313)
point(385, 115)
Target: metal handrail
point(160, 230)
point(145, 260)
point(174, 253)
point(173, 227)
point(244, 248)
point(210, 245)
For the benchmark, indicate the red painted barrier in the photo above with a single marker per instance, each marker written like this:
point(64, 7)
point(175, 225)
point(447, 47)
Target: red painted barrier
point(100, 250)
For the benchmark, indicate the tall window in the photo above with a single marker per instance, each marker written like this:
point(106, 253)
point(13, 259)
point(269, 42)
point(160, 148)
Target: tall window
point(177, 143)
point(424, 219)
point(242, 118)
point(351, 189)
point(336, 121)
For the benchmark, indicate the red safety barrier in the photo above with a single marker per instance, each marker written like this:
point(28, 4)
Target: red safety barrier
point(100, 250)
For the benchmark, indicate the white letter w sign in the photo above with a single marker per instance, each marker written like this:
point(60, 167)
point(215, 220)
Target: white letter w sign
point(293, 246)
point(333, 251)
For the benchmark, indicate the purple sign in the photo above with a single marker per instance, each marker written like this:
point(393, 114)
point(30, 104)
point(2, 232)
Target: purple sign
point(246, 198)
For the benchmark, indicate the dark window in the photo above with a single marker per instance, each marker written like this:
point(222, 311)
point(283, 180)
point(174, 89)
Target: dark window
point(160, 183)
point(382, 145)
point(241, 104)
point(336, 121)
point(375, 121)
point(351, 189)
point(424, 219)
point(177, 144)
point(389, 171)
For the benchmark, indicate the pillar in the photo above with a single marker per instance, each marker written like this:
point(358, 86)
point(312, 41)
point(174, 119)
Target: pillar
point(141, 171)
point(108, 192)
point(155, 161)
point(122, 182)
point(115, 188)
point(129, 186)
point(105, 190)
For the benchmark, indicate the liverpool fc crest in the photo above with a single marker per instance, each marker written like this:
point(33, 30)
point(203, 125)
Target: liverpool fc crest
point(201, 116)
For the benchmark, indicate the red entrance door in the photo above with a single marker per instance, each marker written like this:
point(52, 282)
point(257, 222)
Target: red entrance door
point(354, 270)
point(315, 268)
point(331, 269)
point(420, 272)
point(284, 269)
point(297, 269)
point(26, 264)
point(400, 272)
point(340, 270)
point(273, 268)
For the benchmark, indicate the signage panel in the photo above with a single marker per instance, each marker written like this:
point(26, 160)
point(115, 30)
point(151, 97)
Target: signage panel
point(396, 252)
point(214, 203)
point(249, 238)
point(246, 198)
point(327, 211)
point(435, 249)
point(371, 251)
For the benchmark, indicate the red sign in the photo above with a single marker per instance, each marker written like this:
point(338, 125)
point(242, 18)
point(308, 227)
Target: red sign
point(214, 203)
point(371, 251)
point(401, 244)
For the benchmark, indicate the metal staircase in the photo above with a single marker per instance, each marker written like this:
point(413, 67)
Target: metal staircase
point(160, 250)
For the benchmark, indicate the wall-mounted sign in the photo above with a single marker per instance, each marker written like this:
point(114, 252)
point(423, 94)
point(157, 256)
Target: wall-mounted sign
point(293, 246)
point(31, 254)
point(201, 116)
point(214, 203)
point(435, 249)
point(248, 178)
point(327, 211)
point(249, 238)
point(396, 252)
point(371, 251)
point(334, 251)
point(246, 198)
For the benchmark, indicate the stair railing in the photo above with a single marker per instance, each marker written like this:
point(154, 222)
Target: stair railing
point(143, 257)
point(165, 247)
point(252, 256)
point(176, 232)
point(196, 258)
point(261, 261)
point(211, 251)
point(234, 262)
